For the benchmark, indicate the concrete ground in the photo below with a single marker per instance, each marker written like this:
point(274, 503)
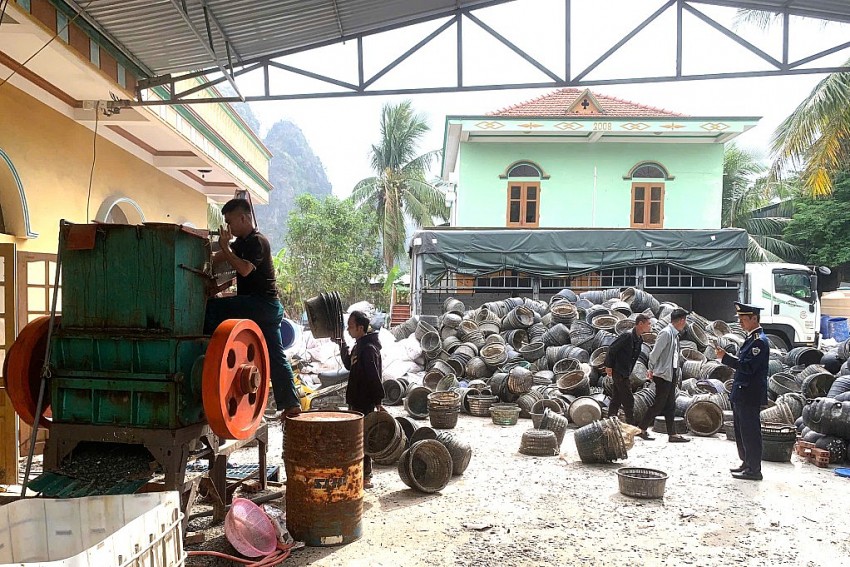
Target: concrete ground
point(509, 509)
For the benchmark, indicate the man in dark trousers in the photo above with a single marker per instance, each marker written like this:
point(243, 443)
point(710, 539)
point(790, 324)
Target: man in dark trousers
point(256, 296)
point(664, 372)
point(749, 390)
point(619, 363)
point(365, 389)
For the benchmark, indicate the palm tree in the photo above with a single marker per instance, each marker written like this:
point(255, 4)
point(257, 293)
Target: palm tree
point(744, 194)
point(815, 138)
point(399, 189)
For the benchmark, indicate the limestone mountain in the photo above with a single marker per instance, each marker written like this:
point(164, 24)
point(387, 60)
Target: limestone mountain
point(294, 169)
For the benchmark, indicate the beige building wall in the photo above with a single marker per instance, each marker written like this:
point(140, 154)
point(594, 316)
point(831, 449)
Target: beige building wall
point(52, 155)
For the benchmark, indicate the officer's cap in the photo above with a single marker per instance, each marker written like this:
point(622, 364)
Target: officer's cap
point(744, 309)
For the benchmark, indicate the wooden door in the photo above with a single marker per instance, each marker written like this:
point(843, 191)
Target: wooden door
point(8, 419)
point(36, 278)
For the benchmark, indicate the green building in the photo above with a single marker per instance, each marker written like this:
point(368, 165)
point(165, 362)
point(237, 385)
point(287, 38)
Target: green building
point(581, 190)
point(575, 159)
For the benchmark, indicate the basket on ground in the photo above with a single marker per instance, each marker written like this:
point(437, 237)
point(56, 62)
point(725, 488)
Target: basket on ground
point(640, 482)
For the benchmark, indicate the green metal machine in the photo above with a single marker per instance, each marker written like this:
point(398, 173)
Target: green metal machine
point(128, 360)
point(129, 351)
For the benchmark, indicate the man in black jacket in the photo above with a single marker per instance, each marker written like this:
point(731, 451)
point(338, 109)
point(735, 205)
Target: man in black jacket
point(619, 363)
point(365, 389)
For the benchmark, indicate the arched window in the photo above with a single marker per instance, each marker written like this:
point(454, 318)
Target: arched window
point(523, 168)
point(120, 210)
point(523, 209)
point(648, 170)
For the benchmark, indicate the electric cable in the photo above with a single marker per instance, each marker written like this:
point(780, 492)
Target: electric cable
point(49, 41)
point(93, 161)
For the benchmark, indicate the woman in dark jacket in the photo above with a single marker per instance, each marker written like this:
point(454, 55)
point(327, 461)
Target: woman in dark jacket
point(365, 389)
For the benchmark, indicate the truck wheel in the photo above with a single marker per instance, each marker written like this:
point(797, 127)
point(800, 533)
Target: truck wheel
point(777, 341)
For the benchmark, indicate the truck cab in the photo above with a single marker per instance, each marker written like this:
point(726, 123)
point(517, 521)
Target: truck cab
point(788, 296)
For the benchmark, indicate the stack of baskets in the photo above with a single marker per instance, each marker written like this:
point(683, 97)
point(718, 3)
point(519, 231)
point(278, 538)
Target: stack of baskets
point(443, 409)
point(601, 441)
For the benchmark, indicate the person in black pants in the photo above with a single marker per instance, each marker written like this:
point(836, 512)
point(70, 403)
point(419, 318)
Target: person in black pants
point(256, 296)
point(664, 372)
point(749, 391)
point(365, 389)
point(619, 363)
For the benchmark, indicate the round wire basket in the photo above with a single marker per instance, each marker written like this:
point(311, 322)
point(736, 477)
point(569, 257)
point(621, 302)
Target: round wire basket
point(640, 482)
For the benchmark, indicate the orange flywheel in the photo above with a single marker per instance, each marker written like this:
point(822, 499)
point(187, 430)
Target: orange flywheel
point(235, 384)
point(22, 369)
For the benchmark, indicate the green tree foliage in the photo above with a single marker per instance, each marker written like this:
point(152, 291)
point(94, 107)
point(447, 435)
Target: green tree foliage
point(815, 138)
point(743, 194)
point(330, 246)
point(822, 226)
point(214, 217)
point(399, 190)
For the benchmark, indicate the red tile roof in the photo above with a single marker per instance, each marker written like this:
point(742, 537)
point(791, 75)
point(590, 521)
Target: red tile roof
point(556, 103)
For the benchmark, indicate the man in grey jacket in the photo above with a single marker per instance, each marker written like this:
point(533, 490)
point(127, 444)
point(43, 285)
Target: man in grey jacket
point(664, 371)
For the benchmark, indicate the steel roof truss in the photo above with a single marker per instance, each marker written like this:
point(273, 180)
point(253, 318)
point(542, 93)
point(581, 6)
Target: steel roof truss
point(225, 69)
point(512, 47)
point(363, 86)
point(408, 53)
point(733, 36)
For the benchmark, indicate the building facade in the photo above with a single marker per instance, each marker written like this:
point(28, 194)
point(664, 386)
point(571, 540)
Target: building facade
point(575, 159)
point(64, 155)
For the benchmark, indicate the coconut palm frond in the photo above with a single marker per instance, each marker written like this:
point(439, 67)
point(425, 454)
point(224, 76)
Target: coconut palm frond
point(758, 18)
point(399, 189)
point(765, 226)
point(366, 191)
point(779, 250)
point(811, 138)
point(757, 253)
point(424, 202)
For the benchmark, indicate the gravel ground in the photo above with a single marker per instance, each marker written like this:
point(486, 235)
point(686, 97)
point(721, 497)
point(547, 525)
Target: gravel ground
point(510, 509)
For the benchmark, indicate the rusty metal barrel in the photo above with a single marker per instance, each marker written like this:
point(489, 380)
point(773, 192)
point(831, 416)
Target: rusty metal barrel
point(323, 456)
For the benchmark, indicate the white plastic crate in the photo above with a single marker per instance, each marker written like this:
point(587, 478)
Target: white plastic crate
point(136, 530)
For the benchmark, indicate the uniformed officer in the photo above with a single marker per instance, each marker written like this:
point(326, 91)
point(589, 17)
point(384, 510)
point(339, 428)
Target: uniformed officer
point(749, 390)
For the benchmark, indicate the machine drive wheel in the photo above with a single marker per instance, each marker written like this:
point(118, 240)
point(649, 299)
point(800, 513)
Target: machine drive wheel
point(235, 383)
point(22, 369)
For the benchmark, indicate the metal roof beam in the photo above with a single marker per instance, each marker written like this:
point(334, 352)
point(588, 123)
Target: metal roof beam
point(512, 47)
point(492, 87)
point(733, 36)
point(407, 54)
point(182, 9)
point(625, 39)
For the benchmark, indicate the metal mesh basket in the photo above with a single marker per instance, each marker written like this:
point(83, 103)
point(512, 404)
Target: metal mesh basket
point(641, 482)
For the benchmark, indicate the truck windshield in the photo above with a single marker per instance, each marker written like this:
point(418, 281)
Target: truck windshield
point(793, 283)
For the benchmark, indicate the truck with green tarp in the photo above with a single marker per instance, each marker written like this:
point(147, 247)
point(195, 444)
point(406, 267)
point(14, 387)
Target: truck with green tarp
point(701, 270)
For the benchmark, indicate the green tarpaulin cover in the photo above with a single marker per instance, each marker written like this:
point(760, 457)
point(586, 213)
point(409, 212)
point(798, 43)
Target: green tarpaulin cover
point(571, 252)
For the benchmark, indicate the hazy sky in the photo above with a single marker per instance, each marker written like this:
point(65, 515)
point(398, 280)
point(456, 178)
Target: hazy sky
point(341, 131)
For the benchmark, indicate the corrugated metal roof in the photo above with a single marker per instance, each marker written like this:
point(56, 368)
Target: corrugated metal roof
point(155, 33)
